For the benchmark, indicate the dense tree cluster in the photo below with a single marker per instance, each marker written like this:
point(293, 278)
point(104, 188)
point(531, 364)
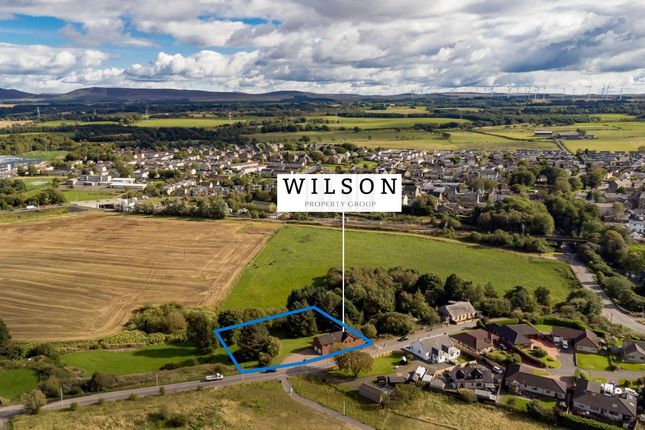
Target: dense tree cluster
point(203, 207)
point(13, 194)
point(515, 214)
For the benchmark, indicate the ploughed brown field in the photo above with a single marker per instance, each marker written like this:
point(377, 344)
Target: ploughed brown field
point(80, 277)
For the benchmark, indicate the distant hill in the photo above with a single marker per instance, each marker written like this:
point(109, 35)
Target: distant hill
point(13, 94)
point(100, 94)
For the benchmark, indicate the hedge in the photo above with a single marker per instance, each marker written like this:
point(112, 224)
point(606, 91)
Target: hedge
point(561, 322)
point(576, 422)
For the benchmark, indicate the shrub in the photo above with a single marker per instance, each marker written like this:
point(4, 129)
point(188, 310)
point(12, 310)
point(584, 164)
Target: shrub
point(132, 397)
point(34, 400)
point(170, 366)
point(73, 406)
point(539, 352)
point(162, 391)
point(467, 396)
point(101, 402)
point(100, 381)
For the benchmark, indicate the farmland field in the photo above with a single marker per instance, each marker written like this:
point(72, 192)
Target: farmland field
point(241, 406)
point(73, 278)
point(611, 136)
point(408, 139)
point(8, 123)
point(188, 122)
point(62, 123)
point(298, 254)
point(377, 123)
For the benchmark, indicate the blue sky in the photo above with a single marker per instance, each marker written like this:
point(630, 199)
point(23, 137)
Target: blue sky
point(369, 47)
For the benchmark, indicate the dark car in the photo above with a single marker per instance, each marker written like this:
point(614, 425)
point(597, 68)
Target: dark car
point(403, 338)
point(270, 371)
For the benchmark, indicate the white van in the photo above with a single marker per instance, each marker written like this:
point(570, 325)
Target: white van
point(215, 377)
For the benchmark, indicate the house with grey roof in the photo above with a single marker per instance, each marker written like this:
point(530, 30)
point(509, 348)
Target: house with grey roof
point(589, 400)
point(521, 380)
point(435, 349)
point(632, 351)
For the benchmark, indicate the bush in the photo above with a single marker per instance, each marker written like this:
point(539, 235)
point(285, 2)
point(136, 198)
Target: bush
point(100, 382)
point(467, 396)
point(101, 402)
point(170, 366)
point(369, 331)
point(34, 400)
point(162, 391)
point(73, 406)
point(133, 397)
point(539, 352)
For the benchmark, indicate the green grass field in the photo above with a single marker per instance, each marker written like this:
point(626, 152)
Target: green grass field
point(86, 195)
point(246, 406)
point(44, 155)
point(140, 360)
point(428, 411)
point(377, 123)
point(592, 361)
point(611, 136)
point(298, 254)
point(188, 122)
point(14, 382)
point(383, 365)
point(401, 109)
point(35, 215)
point(407, 139)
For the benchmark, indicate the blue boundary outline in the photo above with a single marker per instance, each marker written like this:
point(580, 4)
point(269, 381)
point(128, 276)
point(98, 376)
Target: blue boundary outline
point(218, 331)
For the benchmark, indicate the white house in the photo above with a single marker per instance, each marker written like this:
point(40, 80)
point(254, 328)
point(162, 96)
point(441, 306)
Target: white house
point(435, 349)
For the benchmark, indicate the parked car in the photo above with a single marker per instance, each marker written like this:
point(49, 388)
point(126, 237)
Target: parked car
point(215, 377)
point(498, 370)
point(565, 344)
point(403, 338)
point(618, 391)
point(270, 371)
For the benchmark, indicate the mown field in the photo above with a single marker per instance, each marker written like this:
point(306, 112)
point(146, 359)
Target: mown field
point(61, 123)
point(14, 382)
point(298, 254)
point(141, 360)
point(378, 123)
point(72, 278)
point(428, 411)
point(246, 406)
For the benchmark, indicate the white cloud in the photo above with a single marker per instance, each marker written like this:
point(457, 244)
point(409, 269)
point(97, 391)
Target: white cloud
point(372, 45)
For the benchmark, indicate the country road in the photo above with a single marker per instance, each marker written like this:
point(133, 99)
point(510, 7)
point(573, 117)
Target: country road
point(379, 348)
point(609, 310)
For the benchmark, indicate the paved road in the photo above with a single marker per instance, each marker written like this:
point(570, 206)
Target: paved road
point(318, 407)
point(588, 280)
point(381, 347)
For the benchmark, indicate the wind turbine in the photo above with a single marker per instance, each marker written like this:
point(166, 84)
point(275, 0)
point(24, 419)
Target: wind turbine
point(588, 92)
point(508, 93)
point(620, 97)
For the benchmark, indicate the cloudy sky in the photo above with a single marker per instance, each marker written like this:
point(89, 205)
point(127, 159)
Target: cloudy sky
point(344, 46)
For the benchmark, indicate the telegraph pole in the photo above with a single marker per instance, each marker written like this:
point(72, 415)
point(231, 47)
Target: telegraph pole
point(342, 214)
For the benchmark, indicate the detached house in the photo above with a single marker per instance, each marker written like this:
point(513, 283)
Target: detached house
point(589, 400)
point(583, 340)
point(478, 340)
point(515, 334)
point(473, 378)
point(436, 349)
point(458, 312)
point(520, 379)
point(326, 343)
point(633, 352)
